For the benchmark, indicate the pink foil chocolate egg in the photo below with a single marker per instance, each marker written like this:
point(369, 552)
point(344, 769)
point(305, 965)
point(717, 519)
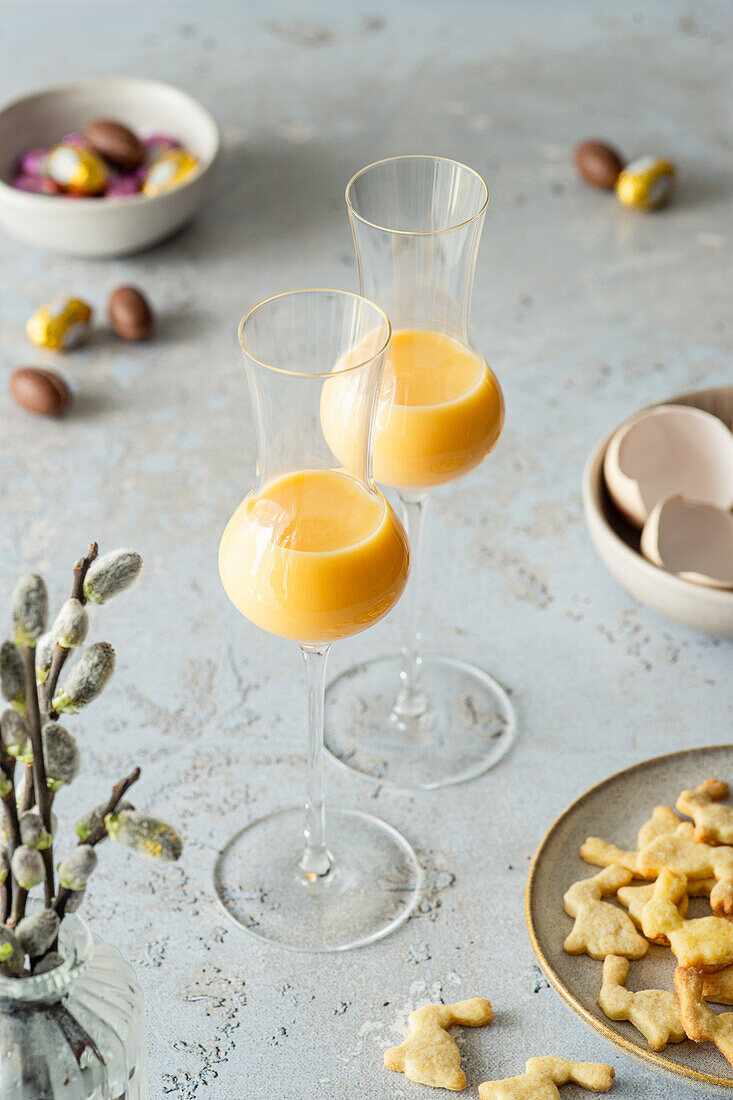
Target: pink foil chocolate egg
point(75, 138)
point(35, 184)
point(157, 144)
point(32, 162)
point(123, 185)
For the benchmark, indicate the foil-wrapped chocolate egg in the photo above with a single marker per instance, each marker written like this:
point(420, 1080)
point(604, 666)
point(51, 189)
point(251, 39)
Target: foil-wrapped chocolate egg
point(32, 162)
point(646, 183)
point(35, 185)
point(60, 325)
point(168, 171)
point(76, 170)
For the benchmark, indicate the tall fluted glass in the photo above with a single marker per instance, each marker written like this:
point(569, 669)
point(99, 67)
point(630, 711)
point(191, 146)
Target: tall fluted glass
point(315, 554)
point(416, 719)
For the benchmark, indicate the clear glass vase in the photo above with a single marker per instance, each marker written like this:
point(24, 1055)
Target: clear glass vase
point(77, 1032)
point(415, 719)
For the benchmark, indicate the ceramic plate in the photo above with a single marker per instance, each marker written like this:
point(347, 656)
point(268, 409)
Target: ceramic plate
point(614, 810)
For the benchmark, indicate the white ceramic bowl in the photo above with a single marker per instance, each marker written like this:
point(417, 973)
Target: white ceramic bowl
point(617, 543)
point(103, 227)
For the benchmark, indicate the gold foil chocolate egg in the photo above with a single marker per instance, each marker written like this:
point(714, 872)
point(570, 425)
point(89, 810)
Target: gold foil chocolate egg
point(170, 170)
point(79, 171)
point(60, 325)
point(646, 183)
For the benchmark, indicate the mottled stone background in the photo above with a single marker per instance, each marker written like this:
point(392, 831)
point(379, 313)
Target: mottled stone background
point(586, 310)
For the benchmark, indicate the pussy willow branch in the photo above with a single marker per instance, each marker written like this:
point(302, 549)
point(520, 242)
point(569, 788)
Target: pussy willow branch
point(43, 795)
point(14, 841)
point(81, 568)
point(119, 791)
point(28, 799)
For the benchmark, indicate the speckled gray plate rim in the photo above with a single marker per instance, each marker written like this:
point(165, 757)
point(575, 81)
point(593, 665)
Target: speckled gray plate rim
point(614, 809)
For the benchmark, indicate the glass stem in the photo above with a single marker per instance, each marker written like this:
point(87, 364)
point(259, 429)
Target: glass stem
point(316, 860)
point(411, 701)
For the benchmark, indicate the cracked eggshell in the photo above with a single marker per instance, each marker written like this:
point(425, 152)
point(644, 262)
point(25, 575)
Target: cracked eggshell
point(692, 539)
point(665, 451)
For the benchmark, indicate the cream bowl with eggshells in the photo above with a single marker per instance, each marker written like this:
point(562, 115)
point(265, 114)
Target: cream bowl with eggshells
point(93, 226)
point(630, 522)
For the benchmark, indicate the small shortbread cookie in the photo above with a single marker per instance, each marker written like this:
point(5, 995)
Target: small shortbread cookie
point(702, 1025)
point(705, 943)
point(653, 1012)
point(713, 822)
point(601, 929)
point(543, 1075)
point(429, 1055)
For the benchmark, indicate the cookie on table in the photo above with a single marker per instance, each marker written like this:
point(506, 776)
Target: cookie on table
point(429, 1055)
point(542, 1076)
point(653, 1012)
point(600, 928)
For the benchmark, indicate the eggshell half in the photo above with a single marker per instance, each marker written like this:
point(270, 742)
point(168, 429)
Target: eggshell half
point(691, 539)
point(665, 451)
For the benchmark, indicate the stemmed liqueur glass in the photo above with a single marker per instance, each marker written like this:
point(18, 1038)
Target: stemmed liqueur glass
point(415, 719)
point(315, 553)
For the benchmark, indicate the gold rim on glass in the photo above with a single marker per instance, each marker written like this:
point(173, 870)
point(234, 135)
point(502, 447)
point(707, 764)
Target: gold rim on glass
point(315, 374)
point(417, 232)
point(607, 1032)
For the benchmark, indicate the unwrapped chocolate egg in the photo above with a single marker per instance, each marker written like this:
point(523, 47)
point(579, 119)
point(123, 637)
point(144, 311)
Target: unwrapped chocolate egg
point(60, 325)
point(130, 314)
point(168, 171)
point(40, 391)
point(117, 143)
point(76, 170)
point(646, 183)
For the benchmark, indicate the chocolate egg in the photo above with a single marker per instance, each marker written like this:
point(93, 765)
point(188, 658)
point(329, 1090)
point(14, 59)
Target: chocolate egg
point(129, 313)
point(76, 170)
point(599, 164)
point(40, 391)
point(646, 183)
point(115, 142)
point(60, 325)
point(170, 170)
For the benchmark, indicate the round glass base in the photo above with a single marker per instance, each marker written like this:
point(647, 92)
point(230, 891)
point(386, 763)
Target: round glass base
point(462, 725)
point(371, 889)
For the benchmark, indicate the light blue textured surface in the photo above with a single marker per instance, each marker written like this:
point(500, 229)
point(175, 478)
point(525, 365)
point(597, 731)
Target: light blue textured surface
point(586, 311)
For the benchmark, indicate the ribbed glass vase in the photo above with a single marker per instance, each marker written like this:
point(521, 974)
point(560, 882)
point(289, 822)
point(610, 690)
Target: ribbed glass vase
point(77, 1032)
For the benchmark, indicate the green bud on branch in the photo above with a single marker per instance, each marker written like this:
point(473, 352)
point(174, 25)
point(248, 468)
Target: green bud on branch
point(12, 675)
point(27, 867)
point(44, 655)
point(72, 623)
point(48, 962)
point(11, 953)
point(4, 864)
point(111, 573)
point(61, 755)
point(144, 834)
point(75, 870)
point(92, 819)
point(15, 737)
point(36, 933)
point(87, 678)
point(30, 609)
